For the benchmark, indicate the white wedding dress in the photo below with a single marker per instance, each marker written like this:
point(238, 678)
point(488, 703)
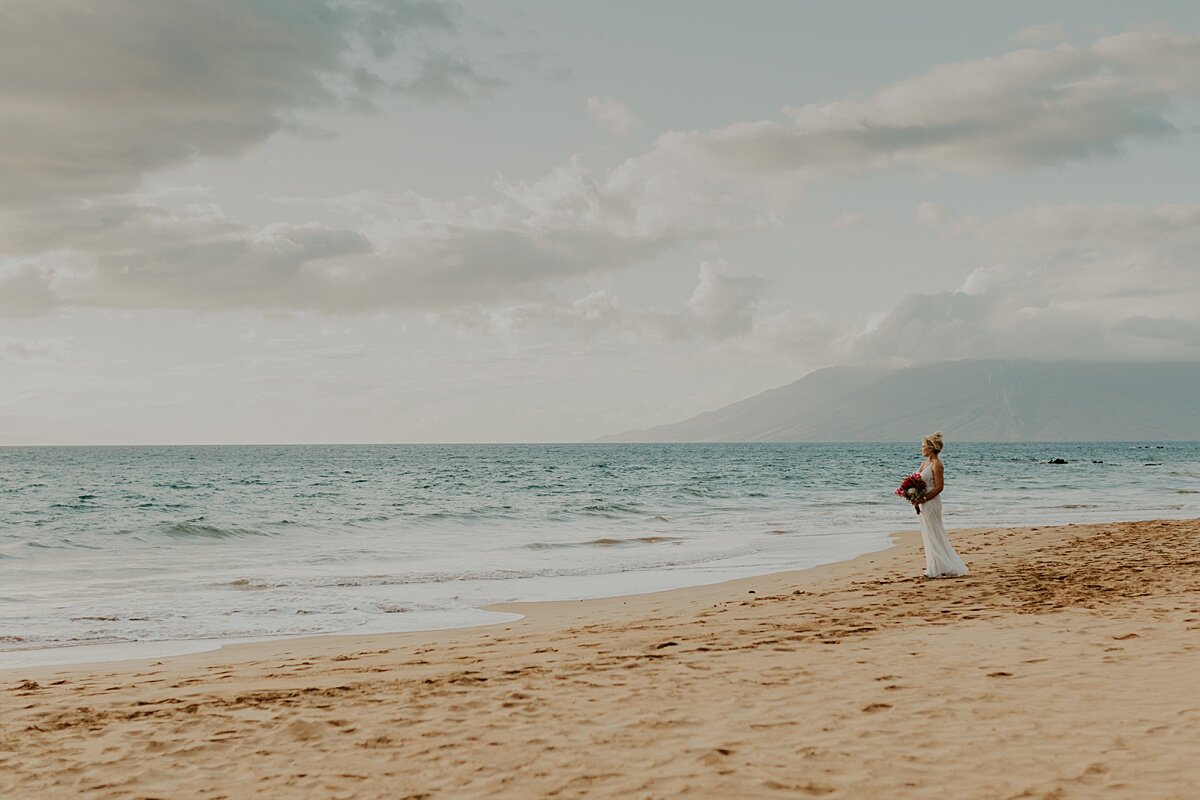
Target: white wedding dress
point(940, 559)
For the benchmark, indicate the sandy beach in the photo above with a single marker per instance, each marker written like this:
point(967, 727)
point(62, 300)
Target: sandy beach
point(1064, 666)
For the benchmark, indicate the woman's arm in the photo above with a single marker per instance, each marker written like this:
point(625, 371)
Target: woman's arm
point(938, 482)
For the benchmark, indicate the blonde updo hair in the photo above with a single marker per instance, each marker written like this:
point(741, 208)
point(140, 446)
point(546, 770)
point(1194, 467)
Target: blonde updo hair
point(934, 442)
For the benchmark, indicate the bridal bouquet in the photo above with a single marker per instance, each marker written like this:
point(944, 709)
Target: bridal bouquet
point(913, 490)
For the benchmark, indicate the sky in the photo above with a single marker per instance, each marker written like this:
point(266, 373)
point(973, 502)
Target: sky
point(278, 221)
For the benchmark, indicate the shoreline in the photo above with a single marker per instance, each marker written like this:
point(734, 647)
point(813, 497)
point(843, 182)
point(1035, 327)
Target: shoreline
point(171, 649)
point(1070, 650)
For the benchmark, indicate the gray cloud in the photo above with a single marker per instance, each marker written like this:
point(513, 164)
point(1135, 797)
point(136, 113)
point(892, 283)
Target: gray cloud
point(955, 325)
point(409, 252)
point(213, 78)
point(30, 351)
point(442, 76)
point(1024, 109)
point(95, 95)
point(26, 291)
point(276, 266)
point(1044, 33)
point(1074, 225)
point(727, 309)
point(1170, 329)
point(1083, 281)
point(724, 303)
point(612, 115)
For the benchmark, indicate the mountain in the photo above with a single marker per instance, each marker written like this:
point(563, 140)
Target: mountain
point(969, 400)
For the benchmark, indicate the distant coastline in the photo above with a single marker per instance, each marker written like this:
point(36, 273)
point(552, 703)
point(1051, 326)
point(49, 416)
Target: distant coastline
point(970, 400)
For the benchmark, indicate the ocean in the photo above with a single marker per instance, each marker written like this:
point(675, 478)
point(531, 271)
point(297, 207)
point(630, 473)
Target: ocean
point(118, 552)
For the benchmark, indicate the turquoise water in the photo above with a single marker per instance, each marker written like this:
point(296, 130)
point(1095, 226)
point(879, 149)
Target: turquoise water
point(120, 545)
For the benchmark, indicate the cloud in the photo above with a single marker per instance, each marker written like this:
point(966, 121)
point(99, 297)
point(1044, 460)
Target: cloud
point(958, 324)
point(1078, 281)
point(405, 251)
point(1044, 33)
point(1024, 109)
point(598, 314)
point(611, 115)
point(1169, 329)
point(1075, 224)
point(94, 96)
point(849, 221)
point(25, 290)
point(98, 122)
point(442, 76)
point(24, 350)
point(929, 213)
point(169, 248)
point(727, 309)
point(725, 303)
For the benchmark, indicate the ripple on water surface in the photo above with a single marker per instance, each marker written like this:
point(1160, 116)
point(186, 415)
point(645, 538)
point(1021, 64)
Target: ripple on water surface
point(119, 544)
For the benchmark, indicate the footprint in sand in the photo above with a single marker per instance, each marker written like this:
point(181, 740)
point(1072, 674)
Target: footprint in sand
point(304, 730)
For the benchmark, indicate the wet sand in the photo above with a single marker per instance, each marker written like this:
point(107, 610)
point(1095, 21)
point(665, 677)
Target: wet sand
point(1066, 665)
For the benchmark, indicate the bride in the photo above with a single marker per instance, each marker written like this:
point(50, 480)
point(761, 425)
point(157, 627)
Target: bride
point(940, 559)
